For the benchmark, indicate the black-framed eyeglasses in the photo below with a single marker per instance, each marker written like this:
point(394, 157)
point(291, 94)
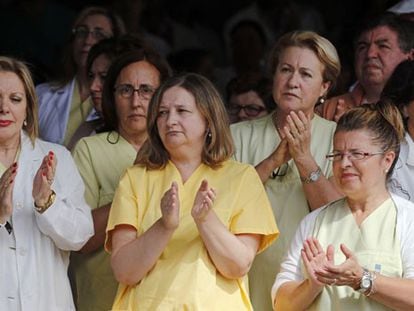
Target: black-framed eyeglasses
point(127, 91)
point(280, 171)
point(352, 155)
point(82, 32)
point(250, 110)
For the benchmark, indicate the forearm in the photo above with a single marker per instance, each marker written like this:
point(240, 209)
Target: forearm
point(266, 167)
point(100, 219)
point(230, 255)
point(395, 293)
point(135, 258)
point(296, 296)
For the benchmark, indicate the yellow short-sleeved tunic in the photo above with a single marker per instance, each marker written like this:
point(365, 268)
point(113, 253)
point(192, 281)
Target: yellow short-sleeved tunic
point(184, 277)
point(256, 140)
point(101, 160)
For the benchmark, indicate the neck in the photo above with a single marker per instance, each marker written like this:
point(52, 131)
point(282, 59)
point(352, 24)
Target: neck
point(186, 165)
point(8, 151)
point(82, 79)
point(372, 93)
point(410, 128)
point(279, 118)
point(363, 206)
point(135, 140)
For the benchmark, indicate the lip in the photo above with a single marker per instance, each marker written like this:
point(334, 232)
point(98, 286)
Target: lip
point(289, 94)
point(5, 123)
point(136, 116)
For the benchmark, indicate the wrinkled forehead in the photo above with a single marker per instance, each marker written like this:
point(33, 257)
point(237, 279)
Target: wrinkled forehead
point(382, 32)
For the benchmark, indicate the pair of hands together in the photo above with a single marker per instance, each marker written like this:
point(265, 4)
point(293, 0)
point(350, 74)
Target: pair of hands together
point(41, 185)
point(170, 205)
point(296, 136)
point(322, 269)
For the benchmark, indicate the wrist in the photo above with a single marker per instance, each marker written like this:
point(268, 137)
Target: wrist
point(42, 205)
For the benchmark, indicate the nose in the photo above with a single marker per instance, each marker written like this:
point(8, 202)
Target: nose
point(136, 100)
point(96, 85)
point(372, 51)
point(293, 80)
point(242, 114)
point(90, 39)
point(4, 105)
point(345, 162)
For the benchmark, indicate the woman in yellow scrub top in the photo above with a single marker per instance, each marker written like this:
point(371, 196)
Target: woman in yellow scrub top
point(187, 221)
point(357, 253)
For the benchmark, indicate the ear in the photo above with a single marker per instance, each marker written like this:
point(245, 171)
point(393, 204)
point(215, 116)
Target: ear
point(411, 54)
point(324, 88)
point(389, 157)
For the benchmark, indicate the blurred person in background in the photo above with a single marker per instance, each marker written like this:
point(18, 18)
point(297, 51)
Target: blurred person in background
point(249, 97)
point(65, 104)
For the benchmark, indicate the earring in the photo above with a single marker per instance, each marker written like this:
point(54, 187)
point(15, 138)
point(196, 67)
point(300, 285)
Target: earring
point(321, 100)
point(25, 123)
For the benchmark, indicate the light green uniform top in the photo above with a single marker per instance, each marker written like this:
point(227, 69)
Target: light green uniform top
point(79, 111)
point(375, 243)
point(254, 141)
point(101, 164)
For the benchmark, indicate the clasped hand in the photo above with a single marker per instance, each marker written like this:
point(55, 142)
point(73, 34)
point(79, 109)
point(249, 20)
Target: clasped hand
point(322, 269)
point(297, 134)
point(170, 205)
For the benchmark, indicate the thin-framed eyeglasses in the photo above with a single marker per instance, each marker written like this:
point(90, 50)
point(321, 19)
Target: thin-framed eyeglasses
point(82, 32)
point(127, 91)
point(250, 110)
point(352, 155)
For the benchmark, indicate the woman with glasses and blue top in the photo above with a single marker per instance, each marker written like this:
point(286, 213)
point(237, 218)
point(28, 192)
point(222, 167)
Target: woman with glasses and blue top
point(288, 147)
point(129, 85)
point(64, 105)
point(356, 253)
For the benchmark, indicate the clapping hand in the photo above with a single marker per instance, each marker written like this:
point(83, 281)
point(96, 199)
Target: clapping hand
point(170, 208)
point(316, 260)
point(44, 178)
point(6, 192)
point(348, 273)
point(203, 202)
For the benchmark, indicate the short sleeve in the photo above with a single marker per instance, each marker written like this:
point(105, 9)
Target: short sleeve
point(82, 156)
point(124, 209)
point(253, 210)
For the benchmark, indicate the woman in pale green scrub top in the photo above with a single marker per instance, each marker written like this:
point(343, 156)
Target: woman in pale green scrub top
point(357, 253)
point(102, 159)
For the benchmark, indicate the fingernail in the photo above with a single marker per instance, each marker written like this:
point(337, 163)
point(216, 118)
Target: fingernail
point(49, 163)
point(11, 181)
point(14, 164)
point(13, 171)
point(43, 174)
point(51, 153)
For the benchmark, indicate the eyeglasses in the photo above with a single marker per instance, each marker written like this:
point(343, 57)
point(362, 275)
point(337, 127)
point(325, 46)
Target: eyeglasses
point(353, 155)
point(250, 110)
point(127, 91)
point(82, 32)
point(281, 171)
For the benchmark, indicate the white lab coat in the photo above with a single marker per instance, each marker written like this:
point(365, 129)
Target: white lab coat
point(35, 257)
